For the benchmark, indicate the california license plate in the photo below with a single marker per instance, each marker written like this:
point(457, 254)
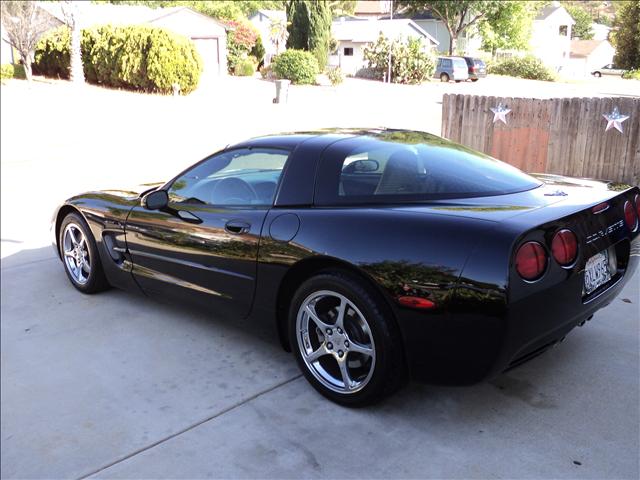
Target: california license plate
point(596, 272)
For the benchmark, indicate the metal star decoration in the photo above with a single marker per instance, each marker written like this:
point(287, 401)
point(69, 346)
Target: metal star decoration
point(615, 119)
point(500, 113)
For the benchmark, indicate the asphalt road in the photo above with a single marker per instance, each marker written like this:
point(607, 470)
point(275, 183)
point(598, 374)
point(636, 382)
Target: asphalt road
point(118, 386)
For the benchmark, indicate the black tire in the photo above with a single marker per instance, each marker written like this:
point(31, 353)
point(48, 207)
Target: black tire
point(444, 77)
point(474, 79)
point(388, 371)
point(597, 74)
point(96, 280)
point(458, 81)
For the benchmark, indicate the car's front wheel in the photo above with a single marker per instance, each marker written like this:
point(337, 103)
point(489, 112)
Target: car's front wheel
point(344, 342)
point(597, 74)
point(444, 77)
point(80, 255)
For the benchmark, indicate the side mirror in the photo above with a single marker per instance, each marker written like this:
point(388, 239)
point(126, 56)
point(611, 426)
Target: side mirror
point(155, 200)
point(366, 166)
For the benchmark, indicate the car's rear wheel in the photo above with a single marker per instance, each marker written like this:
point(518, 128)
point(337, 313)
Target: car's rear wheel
point(444, 77)
point(597, 74)
point(345, 345)
point(80, 255)
point(474, 79)
point(458, 81)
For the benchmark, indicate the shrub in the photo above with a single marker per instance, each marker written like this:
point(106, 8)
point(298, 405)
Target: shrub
point(6, 71)
point(335, 76)
point(299, 66)
point(524, 67)
point(632, 74)
point(246, 67)
point(410, 63)
point(136, 57)
point(242, 37)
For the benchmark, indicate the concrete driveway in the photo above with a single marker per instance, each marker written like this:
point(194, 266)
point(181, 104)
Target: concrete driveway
point(118, 386)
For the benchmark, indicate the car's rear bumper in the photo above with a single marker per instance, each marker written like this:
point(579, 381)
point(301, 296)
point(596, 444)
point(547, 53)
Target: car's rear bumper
point(465, 347)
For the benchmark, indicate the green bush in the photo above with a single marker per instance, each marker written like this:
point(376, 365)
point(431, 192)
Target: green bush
point(246, 67)
point(524, 67)
point(299, 66)
point(410, 63)
point(335, 75)
point(135, 57)
point(632, 74)
point(6, 71)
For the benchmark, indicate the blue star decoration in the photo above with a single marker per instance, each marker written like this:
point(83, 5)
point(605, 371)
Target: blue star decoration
point(615, 119)
point(500, 113)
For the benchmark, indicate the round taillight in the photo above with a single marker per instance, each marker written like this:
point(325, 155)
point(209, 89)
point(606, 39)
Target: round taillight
point(531, 261)
point(564, 247)
point(630, 217)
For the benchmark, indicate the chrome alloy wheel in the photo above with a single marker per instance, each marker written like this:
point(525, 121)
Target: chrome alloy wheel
point(76, 253)
point(335, 342)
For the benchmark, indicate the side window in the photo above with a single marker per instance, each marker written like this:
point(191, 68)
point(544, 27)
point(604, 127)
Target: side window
point(446, 63)
point(244, 177)
point(348, 51)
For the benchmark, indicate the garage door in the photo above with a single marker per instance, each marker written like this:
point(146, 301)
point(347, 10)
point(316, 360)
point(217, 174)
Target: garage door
point(208, 49)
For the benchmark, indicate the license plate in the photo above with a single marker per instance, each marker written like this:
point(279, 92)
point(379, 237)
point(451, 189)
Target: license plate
point(596, 272)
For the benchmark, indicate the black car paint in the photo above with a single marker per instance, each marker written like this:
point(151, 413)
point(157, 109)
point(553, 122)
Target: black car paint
point(456, 252)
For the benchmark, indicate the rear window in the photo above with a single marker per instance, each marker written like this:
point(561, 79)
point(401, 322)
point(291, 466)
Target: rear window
point(378, 171)
point(459, 62)
point(479, 63)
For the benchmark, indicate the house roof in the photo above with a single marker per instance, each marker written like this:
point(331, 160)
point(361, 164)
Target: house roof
point(106, 13)
point(552, 9)
point(369, 31)
point(372, 7)
point(277, 15)
point(584, 48)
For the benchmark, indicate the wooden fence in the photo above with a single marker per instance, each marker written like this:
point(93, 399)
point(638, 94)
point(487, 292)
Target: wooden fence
point(561, 135)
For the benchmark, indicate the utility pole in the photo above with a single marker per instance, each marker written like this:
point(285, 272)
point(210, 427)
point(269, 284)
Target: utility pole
point(390, 45)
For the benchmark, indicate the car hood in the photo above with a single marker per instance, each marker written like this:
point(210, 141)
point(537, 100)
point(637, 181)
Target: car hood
point(134, 191)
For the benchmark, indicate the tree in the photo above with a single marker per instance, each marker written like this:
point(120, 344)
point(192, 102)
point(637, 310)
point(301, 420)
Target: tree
point(25, 22)
point(71, 14)
point(456, 15)
point(508, 27)
point(310, 28)
point(582, 29)
point(627, 24)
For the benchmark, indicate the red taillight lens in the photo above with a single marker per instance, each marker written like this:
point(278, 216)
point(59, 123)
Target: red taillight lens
point(630, 216)
point(564, 247)
point(531, 261)
point(637, 201)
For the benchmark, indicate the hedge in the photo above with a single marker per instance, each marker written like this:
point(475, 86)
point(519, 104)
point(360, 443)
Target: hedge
point(524, 67)
point(6, 71)
point(299, 66)
point(134, 57)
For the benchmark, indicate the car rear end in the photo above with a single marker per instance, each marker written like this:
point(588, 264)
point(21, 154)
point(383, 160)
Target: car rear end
point(476, 68)
point(565, 269)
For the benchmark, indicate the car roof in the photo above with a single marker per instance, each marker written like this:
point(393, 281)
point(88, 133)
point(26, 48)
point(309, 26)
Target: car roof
point(291, 140)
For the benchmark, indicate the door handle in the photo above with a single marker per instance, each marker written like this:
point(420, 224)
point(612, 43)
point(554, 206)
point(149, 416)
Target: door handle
point(237, 226)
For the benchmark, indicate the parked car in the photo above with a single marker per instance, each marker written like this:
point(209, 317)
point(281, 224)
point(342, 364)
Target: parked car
point(476, 68)
point(609, 69)
point(451, 68)
point(377, 255)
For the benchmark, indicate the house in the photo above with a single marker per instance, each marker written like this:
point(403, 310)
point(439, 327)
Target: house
point(468, 41)
point(600, 31)
point(264, 20)
point(372, 9)
point(589, 55)
point(551, 36)
point(208, 35)
point(6, 50)
point(353, 36)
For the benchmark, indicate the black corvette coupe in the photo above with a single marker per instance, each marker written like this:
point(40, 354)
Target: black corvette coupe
point(378, 255)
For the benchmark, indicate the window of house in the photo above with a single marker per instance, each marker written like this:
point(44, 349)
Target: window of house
point(348, 52)
point(563, 30)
